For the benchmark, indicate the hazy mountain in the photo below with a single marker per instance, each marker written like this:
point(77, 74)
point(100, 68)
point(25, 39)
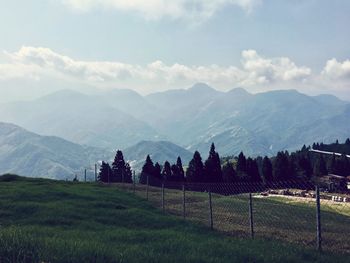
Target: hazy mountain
point(28, 154)
point(236, 120)
point(79, 118)
point(159, 151)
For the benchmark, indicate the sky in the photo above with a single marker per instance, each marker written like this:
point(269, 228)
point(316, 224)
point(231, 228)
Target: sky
point(155, 45)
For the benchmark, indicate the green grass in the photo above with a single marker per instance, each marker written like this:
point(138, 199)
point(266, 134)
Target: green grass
point(50, 221)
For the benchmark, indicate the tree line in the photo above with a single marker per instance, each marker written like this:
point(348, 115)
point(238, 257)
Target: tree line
point(301, 164)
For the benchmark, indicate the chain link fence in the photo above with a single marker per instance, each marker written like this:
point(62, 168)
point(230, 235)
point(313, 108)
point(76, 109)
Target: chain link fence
point(294, 211)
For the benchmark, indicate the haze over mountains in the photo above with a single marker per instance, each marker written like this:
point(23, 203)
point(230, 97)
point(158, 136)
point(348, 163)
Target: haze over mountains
point(29, 154)
point(258, 124)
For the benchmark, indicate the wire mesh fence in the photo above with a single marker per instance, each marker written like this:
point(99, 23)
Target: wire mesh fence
point(285, 211)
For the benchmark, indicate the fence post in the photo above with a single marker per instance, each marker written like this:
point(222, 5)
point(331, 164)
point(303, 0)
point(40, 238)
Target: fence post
point(134, 182)
point(163, 203)
point(85, 175)
point(147, 188)
point(251, 215)
point(183, 201)
point(210, 211)
point(318, 219)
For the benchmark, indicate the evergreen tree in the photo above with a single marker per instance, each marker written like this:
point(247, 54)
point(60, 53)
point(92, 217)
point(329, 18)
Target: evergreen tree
point(212, 166)
point(305, 166)
point(332, 165)
point(229, 173)
point(347, 142)
point(181, 169)
point(267, 169)
point(128, 174)
point(195, 170)
point(166, 173)
point(320, 167)
point(157, 172)
point(281, 167)
point(241, 167)
point(147, 170)
point(105, 173)
point(253, 171)
point(118, 167)
point(344, 166)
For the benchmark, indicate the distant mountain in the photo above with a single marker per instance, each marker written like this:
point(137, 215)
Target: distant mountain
point(28, 154)
point(79, 118)
point(159, 151)
point(258, 124)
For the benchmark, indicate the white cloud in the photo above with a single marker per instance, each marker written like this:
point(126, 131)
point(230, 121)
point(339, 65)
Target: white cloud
point(335, 69)
point(197, 10)
point(256, 70)
point(266, 70)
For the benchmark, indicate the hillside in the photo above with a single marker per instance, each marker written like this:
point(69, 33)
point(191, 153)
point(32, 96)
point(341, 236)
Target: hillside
point(159, 151)
point(258, 124)
point(50, 221)
point(29, 154)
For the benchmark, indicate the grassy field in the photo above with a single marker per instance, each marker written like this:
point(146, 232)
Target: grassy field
point(50, 221)
point(287, 219)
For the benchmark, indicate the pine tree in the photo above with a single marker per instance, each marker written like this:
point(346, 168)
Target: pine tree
point(195, 170)
point(229, 173)
point(118, 167)
point(105, 173)
point(157, 172)
point(281, 167)
point(253, 170)
point(166, 172)
point(320, 167)
point(212, 166)
point(147, 170)
point(181, 169)
point(241, 167)
point(128, 174)
point(267, 169)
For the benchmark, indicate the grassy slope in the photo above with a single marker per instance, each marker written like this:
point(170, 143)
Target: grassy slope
point(52, 221)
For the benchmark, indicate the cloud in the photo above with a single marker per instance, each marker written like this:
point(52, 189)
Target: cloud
point(197, 10)
point(266, 70)
point(335, 69)
point(256, 70)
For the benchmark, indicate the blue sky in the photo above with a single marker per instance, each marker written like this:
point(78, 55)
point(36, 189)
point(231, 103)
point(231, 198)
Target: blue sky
point(156, 45)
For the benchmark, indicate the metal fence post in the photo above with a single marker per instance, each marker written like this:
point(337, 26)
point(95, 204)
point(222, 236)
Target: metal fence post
point(183, 201)
point(163, 201)
point(251, 215)
point(147, 188)
point(210, 211)
point(134, 182)
point(318, 219)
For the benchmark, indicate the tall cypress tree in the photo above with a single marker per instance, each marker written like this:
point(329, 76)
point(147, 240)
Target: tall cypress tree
point(118, 167)
point(166, 172)
point(281, 167)
point(128, 174)
point(228, 173)
point(147, 170)
point(320, 167)
point(105, 173)
point(181, 169)
point(241, 167)
point(212, 166)
point(195, 170)
point(267, 169)
point(253, 170)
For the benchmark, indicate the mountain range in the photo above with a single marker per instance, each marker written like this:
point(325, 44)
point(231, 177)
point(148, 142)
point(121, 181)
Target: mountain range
point(258, 124)
point(26, 153)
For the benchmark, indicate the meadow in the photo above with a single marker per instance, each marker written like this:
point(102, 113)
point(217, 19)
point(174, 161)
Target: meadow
point(55, 221)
